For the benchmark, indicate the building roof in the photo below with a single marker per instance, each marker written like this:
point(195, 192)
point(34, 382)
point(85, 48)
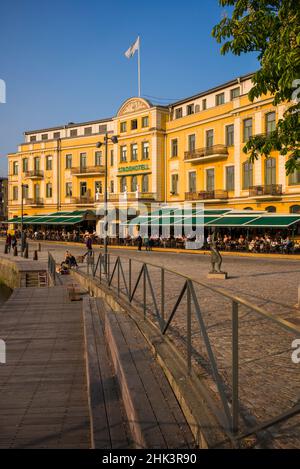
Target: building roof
point(68, 126)
point(236, 81)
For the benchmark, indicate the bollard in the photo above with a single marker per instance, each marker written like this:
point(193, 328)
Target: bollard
point(35, 255)
point(15, 251)
point(26, 251)
point(6, 249)
point(39, 247)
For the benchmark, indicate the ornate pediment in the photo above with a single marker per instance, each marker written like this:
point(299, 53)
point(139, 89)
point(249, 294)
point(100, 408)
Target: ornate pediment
point(133, 105)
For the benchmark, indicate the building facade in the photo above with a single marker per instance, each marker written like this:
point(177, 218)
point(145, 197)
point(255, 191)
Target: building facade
point(3, 198)
point(191, 150)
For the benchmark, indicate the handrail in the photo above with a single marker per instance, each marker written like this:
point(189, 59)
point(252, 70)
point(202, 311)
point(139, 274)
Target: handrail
point(52, 268)
point(288, 325)
point(143, 279)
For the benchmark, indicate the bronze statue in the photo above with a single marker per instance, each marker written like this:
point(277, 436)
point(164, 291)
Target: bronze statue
point(216, 258)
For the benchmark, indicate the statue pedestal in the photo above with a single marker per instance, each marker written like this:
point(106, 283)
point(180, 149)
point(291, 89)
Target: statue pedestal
point(218, 275)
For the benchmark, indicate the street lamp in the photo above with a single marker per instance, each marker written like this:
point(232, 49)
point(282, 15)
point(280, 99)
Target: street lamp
point(23, 186)
point(113, 139)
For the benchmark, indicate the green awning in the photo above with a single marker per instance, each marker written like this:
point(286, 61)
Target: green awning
point(280, 221)
point(57, 218)
point(196, 221)
point(232, 221)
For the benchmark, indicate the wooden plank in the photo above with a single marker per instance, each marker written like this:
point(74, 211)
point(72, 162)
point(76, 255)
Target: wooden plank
point(146, 365)
point(119, 433)
point(143, 422)
point(99, 425)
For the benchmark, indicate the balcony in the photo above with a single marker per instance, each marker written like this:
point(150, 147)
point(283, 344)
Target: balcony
point(88, 171)
point(216, 152)
point(82, 200)
point(34, 174)
point(268, 192)
point(127, 196)
point(207, 195)
point(36, 202)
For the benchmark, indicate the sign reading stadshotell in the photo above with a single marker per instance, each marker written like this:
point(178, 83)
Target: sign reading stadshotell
point(138, 167)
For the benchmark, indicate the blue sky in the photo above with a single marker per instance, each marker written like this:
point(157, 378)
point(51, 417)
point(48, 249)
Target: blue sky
point(64, 60)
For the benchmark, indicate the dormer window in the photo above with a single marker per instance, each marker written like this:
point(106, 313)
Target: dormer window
point(88, 131)
point(235, 93)
point(190, 109)
point(178, 113)
point(220, 99)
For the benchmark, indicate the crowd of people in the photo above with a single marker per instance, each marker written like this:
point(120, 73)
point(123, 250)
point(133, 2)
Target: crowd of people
point(261, 243)
point(257, 244)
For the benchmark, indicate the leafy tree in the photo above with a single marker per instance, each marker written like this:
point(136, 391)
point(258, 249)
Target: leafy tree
point(271, 29)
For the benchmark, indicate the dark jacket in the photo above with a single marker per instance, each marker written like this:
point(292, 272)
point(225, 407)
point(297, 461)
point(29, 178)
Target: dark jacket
point(88, 243)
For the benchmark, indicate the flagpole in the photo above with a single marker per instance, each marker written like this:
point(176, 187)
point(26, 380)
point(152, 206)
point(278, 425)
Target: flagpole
point(139, 69)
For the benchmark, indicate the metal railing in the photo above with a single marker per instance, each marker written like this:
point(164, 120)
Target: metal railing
point(88, 170)
point(33, 201)
point(34, 173)
point(271, 189)
point(206, 195)
point(213, 150)
point(148, 292)
point(83, 200)
point(52, 268)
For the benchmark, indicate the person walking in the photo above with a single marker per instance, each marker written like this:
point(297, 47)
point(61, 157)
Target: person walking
point(8, 242)
point(139, 242)
point(13, 241)
point(89, 246)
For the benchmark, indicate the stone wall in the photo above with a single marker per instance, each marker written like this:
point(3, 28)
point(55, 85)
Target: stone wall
point(10, 274)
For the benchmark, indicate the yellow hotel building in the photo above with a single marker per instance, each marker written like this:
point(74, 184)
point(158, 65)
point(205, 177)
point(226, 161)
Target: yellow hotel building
point(190, 151)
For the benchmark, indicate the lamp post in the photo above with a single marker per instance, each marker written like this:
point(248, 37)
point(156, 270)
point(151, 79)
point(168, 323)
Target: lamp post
point(23, 186)
point(113, 139)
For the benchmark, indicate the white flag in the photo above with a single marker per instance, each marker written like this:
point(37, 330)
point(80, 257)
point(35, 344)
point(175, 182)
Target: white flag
point(131, 51)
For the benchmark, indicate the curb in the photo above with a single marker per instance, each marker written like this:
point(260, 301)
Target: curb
point(295, 257)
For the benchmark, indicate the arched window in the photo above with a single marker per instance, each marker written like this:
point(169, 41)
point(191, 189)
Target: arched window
point(271, 209)
point(134, 183)
point(123, 184)
point(295, 209)
point(145, 183)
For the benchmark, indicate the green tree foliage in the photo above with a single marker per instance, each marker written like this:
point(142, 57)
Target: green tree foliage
point(271, 29)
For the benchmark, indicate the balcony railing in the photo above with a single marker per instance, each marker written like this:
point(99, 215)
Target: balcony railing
point(84, 170)
point(215, 151)
point(37, 201)
point(82, 200)
point(34, 173)
point(206, 195)
point(127, 196)
point(269, 190)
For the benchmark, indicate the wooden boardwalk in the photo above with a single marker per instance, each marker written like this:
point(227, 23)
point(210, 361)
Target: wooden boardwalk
point(44, 400)
point(79, 377)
